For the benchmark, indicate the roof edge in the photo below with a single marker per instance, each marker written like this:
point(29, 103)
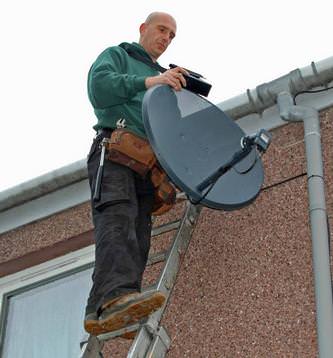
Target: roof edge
point(319, 74)
point(43, 184)
point(250, 102)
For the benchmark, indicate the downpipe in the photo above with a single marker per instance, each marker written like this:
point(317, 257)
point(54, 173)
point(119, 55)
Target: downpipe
point(318, 218)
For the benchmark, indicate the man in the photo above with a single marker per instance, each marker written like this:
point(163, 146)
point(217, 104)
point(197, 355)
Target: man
point(122, 214)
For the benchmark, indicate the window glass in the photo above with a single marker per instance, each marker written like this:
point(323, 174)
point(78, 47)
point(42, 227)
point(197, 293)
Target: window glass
point(47, 321)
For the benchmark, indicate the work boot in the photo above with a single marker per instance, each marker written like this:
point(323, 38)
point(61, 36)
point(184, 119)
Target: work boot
point(129, 335)
point(91, 322)
point(129, 309)
point(92, 326)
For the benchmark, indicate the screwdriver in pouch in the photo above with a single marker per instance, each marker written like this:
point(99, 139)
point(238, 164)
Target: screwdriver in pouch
point(97, 193)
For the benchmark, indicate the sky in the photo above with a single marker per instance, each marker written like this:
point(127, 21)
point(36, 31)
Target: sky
point(47, 48)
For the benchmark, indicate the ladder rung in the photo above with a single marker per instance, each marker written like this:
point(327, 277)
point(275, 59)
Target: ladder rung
point(132, 328)
point(165, 228)
point(181, 196)
point(158, 257)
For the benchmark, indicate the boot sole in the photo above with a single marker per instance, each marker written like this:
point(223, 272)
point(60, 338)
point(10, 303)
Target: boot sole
point(132, 313)
point(129, 335)
point(93, 327)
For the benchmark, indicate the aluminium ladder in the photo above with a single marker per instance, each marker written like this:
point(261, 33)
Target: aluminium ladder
point(152, 339)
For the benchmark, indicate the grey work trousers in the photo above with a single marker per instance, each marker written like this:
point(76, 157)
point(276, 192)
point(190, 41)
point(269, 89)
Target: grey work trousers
point(122, 229)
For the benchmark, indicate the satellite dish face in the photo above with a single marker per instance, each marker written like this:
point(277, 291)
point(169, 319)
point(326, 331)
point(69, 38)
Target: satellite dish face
point(192, 139)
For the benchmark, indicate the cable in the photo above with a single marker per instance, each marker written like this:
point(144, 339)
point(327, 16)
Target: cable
point(311, 91)
point(283, 181)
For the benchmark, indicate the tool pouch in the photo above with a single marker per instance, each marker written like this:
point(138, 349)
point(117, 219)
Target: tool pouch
point(165, 193)
point(136, 153)
point(130, 150)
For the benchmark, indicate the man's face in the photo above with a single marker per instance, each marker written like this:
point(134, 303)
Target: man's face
point(156, 36)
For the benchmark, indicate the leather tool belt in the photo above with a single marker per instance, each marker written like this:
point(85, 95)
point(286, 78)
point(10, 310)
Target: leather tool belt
point(136, 153)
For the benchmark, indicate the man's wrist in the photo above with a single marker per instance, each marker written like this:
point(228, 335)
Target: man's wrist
point(149, 82)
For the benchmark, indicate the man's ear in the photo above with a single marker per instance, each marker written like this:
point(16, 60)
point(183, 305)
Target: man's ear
point(142, 28)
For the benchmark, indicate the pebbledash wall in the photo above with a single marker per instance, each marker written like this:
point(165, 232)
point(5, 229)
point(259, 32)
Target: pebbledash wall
point(245, 288)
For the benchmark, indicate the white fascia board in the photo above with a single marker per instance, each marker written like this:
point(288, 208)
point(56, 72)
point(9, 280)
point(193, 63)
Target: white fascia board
point(43, 184)
point(44, 206)
point(270, 118)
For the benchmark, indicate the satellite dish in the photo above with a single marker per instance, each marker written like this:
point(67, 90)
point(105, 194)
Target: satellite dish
point(192, 140)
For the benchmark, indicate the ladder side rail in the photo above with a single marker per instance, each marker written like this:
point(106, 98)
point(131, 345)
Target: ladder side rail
point(150, 336)
point(143, 340)
point(178, 248)
point(92, 348)
point(160, 344)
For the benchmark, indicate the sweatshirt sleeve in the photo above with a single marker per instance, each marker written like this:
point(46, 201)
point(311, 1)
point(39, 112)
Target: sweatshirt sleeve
point(108, 85)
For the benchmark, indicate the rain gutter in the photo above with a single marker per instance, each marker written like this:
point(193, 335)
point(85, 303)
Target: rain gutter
point(256, 108)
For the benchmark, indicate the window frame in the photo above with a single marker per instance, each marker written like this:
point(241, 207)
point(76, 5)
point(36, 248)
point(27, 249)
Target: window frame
point(39, 275)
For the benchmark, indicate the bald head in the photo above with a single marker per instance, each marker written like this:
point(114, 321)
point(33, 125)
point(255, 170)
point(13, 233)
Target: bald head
point(156, 15)
point(156, 33)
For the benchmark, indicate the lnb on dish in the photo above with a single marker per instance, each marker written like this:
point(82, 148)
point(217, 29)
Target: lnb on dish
point(262, 140)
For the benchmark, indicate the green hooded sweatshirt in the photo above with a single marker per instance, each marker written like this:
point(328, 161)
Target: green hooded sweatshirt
point(116, 86)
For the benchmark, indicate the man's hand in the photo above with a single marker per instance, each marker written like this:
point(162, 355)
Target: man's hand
point(173, 77)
